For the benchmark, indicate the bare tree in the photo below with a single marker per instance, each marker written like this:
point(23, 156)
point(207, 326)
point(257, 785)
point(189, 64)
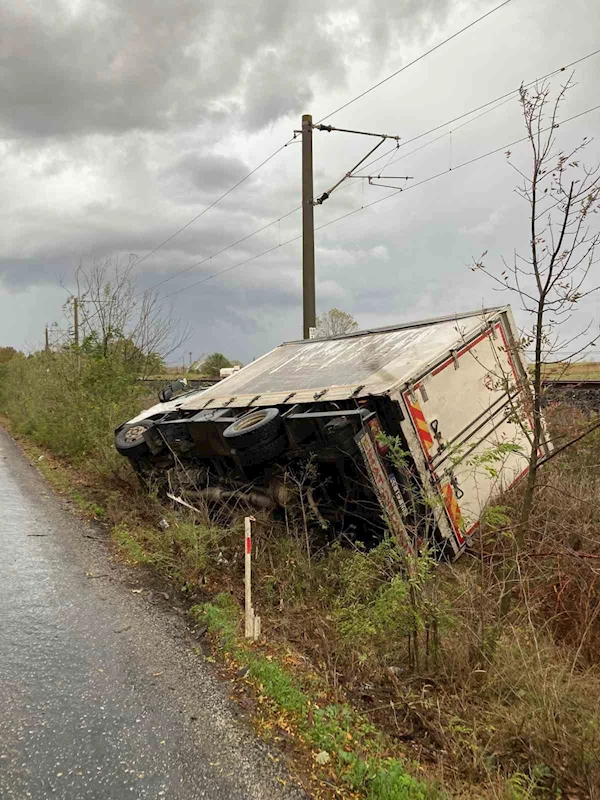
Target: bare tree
point(335, 323)
point(551, 279)
point(116, 316)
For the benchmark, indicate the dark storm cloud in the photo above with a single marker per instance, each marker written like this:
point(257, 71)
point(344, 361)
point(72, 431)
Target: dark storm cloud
point(71, 68)
point(124, 119)
point(208, 173)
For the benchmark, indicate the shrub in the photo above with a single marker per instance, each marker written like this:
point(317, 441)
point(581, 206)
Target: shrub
point(71, 405)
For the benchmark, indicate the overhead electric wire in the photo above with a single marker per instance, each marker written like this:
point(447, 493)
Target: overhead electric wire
point(276, 152)
point(229, 246)
point(392, 150)
point(455, 168)
point(414, 61)
point(507, 95)
point(500, 100)
point(488, 106)
point(283, 146)
point(427, 144)
point(503, 97)
point(204, 210)
point(214, 203)
point(376, 202)
point(234, 266)
point(245, 261)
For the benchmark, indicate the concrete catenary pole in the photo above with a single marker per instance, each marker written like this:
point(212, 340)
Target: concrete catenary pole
point(308, 230)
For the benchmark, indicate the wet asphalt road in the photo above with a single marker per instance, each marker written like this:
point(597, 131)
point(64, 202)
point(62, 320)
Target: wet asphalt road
point(101, 692)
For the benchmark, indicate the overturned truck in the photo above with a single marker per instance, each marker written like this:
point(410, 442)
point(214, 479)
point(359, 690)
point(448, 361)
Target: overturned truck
point(410, 428)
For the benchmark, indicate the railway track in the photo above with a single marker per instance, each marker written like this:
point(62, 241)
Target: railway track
point(581, 394)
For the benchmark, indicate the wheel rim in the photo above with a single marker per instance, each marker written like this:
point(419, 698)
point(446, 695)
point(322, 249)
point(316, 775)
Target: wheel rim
point(134, 434)
point(250, 421)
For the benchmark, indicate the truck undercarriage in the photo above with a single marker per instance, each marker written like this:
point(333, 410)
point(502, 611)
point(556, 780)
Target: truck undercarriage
point(302, 458)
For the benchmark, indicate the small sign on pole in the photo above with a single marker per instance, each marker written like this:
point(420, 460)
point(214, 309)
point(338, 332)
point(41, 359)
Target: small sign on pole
point(252, 626)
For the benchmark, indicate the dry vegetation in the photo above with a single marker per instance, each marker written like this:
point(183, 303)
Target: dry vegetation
point(578, 371)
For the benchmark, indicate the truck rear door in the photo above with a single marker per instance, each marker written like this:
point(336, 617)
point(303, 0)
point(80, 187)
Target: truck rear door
point(471, 425)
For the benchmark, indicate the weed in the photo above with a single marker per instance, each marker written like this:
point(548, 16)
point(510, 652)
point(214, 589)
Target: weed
point(527, 786)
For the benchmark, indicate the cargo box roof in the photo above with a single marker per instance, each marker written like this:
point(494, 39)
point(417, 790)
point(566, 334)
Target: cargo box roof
point(354, 365)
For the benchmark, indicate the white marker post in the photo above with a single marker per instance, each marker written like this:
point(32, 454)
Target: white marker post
point(252, 622)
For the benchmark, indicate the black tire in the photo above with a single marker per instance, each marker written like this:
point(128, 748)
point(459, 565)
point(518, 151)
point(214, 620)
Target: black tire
point(254, 456)
point(256, 428)
point(130, 441)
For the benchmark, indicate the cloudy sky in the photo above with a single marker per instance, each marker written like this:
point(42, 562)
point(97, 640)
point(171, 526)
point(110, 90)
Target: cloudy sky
point(121, 120)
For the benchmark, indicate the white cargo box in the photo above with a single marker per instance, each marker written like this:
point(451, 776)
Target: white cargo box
point(460, 386)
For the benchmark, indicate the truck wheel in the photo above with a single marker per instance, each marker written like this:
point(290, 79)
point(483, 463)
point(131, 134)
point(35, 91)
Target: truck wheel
point(130, 441)
point(258, 427)
point(253, 456)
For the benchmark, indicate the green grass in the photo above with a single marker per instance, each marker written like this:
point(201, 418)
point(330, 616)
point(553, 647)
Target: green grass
point(89, 507)
point(131, 547)
point(278, 684)
point(392, 783)
point(356, 751)
point(221, 618)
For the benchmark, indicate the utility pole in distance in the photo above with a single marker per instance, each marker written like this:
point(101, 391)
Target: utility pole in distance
point(76, 333)
point(47, 340)
point(76, 321)
point(309, 303)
